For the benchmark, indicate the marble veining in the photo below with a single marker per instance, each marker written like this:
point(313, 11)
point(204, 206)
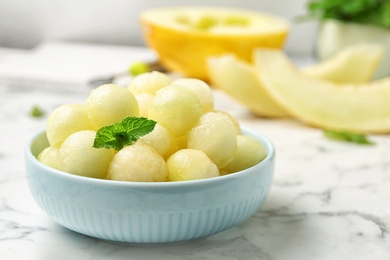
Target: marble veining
point(329, 200)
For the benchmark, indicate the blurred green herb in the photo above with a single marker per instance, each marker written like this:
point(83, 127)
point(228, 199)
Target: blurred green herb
point(124, 133)
point(374, 12)
point(138, 68)
point(347, 137)
point(37, 112)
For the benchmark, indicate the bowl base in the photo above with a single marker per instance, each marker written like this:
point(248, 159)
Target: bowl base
point(163, 244)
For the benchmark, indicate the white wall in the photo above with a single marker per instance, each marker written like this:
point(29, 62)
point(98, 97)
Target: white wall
point(26, 23)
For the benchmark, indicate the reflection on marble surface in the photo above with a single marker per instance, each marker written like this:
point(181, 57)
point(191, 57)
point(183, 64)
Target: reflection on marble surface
point(329, 200)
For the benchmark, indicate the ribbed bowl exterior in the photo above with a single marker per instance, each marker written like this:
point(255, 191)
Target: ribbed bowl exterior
point(148, 212)
point(148, 226)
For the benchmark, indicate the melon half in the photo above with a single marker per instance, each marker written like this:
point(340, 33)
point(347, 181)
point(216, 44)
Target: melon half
point(184, 37)
point(363, 107)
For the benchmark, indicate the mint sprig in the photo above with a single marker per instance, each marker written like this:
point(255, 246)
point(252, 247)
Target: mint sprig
point(374, 12)
point(124, 133)
point(347, 137)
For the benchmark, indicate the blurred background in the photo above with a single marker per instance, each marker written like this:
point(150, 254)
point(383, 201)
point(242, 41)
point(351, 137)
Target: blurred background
point(27, 23)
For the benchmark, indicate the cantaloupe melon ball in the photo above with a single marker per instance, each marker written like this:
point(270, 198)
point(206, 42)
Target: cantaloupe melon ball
point(77, 156)
point(159, 139)
point(144, 101)
point(64, 121)
point(177, 108)
point(138, 163)
point(149, 82)
point(190, 164)
point(109, 104)
point(249, 152)
point(216, 135)
point(201, 89)
point(49, 156)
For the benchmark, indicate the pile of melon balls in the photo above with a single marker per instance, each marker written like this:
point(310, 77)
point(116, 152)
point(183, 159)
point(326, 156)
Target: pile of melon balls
point(190, 141)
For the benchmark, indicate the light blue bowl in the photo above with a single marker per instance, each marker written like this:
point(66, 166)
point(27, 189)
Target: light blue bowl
point(148, 212)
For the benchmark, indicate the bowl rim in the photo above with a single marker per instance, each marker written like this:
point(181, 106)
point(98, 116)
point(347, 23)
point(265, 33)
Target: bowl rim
point(115, 183)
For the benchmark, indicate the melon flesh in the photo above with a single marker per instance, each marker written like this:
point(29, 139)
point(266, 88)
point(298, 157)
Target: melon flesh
point(238, 79)
point(334, 35)
point(184, 37)
point(354, 64)
point(363, 108)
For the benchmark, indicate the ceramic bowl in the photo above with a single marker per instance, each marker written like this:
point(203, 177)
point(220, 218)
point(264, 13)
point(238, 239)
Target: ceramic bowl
point(134, 212)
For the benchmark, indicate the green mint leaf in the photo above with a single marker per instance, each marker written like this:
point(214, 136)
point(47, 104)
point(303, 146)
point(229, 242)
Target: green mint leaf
point(37, 112)
point(347, 137)
point(138, 68)
point(374, 12)
point(124, 133)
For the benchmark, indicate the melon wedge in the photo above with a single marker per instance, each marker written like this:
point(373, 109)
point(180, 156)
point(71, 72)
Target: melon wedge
point(334, 35)
point(353, 64)
point(363, 108)
point(238, 79)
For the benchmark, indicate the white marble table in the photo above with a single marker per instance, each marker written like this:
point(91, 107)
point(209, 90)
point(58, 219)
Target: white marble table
point(329, 200)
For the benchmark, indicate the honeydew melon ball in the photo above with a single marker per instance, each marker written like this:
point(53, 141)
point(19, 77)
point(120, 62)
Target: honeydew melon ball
point(109, 104)
point(159, 139)
point(177, 108)
point(144, 101)
point(223, 172)
point(232, 118)
point(64, 121)
point(77, 156)
point(49, 156)
point(215, 135)
point(249, 152)
point(190, 164)
point(177, 144)
point(201, 89)
point(149, 82)
point(138, 163)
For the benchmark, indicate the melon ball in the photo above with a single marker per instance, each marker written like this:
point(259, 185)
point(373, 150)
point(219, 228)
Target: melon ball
point(49, 156)
point(138, 163)
point(201, 89)
point(215, 135)
point(109, 104)
point(249, 152)
point(232, 118)
point(78, 156)
point(144, 101)
point(223, 172)
point(64, 121)
point(177, 143)
point(149, 82)
point(177, 108)
point(190, 164)
point(159, 139)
